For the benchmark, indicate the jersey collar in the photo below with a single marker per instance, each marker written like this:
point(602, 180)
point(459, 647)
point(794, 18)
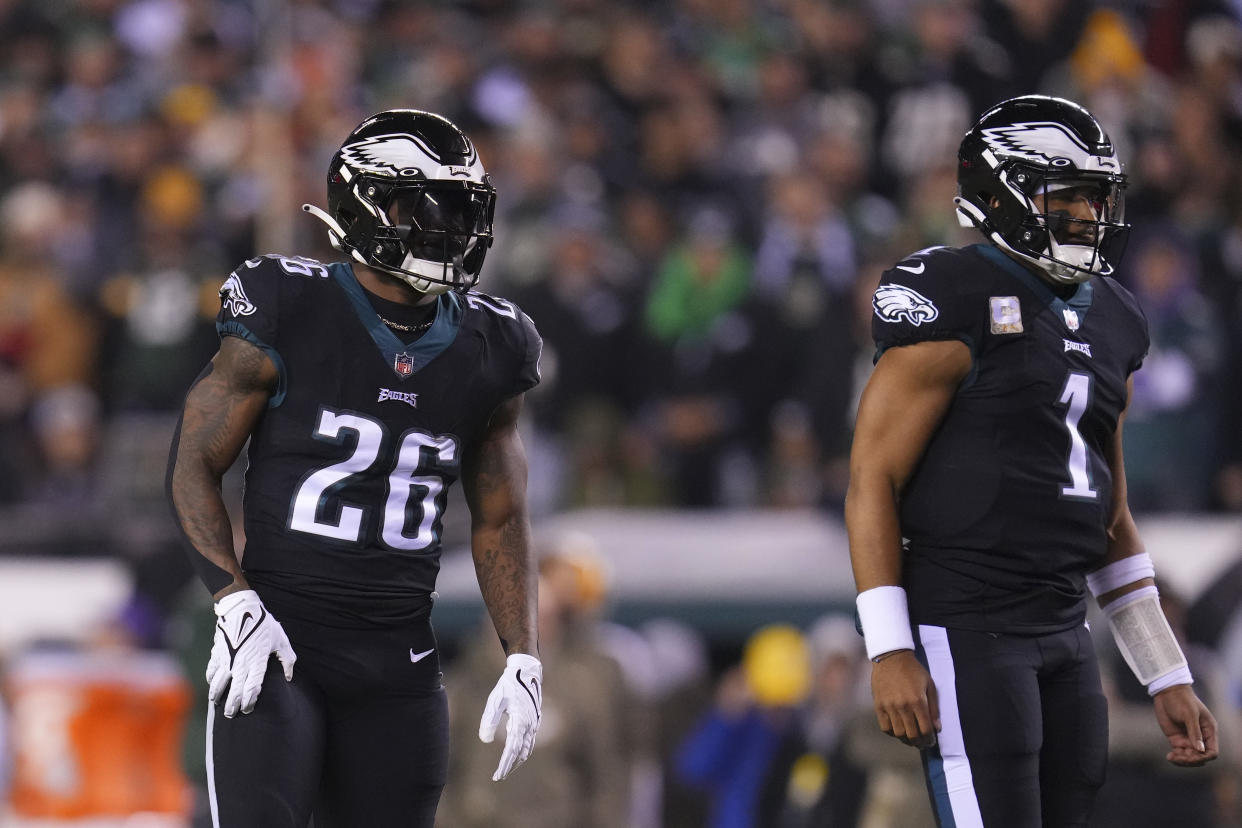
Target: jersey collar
point(1079, 302)
point(416, 353)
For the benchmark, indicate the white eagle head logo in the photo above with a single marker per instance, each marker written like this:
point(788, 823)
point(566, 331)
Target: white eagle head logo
point(406, 156)
point(892, 303)
point(233, 297)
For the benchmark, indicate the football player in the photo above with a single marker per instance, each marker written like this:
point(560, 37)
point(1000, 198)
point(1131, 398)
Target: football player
point(987, 493)
point(365, 388)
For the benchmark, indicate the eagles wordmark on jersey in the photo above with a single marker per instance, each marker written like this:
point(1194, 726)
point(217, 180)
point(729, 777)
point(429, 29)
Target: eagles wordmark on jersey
point(350, 466)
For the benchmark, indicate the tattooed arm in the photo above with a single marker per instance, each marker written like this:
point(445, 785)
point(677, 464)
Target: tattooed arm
point(494, 479)
point(223, 406)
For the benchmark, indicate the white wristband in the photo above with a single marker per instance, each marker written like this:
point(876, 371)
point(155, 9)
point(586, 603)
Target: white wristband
point(1180, 675)
point(1146, 641)
point(1119, 573)
point(885, 620)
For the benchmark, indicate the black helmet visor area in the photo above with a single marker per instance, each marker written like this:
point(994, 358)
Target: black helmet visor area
point(1074, 207)
point(441, 222)
point(1104, 193)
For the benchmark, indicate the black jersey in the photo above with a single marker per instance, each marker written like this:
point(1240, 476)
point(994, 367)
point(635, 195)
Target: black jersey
point(350, 465)
point(1009, 505)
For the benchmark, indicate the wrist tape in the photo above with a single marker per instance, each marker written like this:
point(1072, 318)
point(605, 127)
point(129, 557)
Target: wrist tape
point(885, 620)
point(1146, 641)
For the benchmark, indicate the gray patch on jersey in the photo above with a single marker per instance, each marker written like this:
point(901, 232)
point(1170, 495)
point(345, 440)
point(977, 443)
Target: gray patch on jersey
point(1006, 314)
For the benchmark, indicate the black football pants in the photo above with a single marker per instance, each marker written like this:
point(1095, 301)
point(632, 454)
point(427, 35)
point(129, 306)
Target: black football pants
point(1024, 728)
point(359, 737)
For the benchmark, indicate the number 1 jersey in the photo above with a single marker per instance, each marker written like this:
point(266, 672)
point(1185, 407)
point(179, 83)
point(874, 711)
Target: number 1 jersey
point(1009, 506)
point(350, 465)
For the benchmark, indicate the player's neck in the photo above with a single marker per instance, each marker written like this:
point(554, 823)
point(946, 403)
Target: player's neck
point(388, 287)
point(1061, 289)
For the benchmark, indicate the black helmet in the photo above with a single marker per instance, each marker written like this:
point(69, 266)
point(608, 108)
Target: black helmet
point(1032, 145)
point(408, 195)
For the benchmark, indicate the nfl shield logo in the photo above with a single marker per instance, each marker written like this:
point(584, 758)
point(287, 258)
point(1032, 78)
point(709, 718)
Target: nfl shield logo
point(1071, 318)
point(403, 365)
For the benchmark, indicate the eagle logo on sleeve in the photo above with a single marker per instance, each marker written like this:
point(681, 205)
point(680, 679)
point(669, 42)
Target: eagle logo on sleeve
point(892, 303)
point(233, 297)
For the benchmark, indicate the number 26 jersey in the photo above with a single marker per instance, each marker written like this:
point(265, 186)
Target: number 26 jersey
point(1009, 506)
point(350, 465)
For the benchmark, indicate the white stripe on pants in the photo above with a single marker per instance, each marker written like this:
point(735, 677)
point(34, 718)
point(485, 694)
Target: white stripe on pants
point(957, 775)
point(211, 766)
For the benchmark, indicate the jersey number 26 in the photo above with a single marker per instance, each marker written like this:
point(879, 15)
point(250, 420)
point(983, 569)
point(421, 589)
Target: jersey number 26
point(423, 462)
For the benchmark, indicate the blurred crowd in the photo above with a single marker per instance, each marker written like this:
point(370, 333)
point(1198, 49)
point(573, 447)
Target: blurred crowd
point(696, 198)
point(652, 727)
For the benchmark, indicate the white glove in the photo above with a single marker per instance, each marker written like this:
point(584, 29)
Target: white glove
point(520, 694)
point(246, 636)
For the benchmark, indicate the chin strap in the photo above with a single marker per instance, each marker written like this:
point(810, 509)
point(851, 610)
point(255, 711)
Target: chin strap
point(335, 234)
point(968, 215)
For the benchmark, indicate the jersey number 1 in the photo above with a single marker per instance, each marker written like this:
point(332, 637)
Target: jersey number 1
point(1076, 396)
point(414, 475)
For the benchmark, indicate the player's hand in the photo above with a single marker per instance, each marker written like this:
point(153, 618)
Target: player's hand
point(246, 637)
point(1187, 724)
point(519, 693)
point(906, 704)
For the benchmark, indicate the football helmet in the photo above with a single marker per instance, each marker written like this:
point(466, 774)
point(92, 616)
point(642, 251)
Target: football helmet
point(1026, 149)
point(408, 195)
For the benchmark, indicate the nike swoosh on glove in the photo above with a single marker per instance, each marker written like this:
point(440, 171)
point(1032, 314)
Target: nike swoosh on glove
point(519, 693)
point(246, 636)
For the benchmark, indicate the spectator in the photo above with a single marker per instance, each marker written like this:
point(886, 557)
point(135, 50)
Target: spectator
point(46, 340)
point(838, 692)
point(1171, 411)
point(695, 324)
point(217, 115)
point(585, 316)
point(681, 691)
point(66, 425)
point(742, 749)
point(581, 773)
